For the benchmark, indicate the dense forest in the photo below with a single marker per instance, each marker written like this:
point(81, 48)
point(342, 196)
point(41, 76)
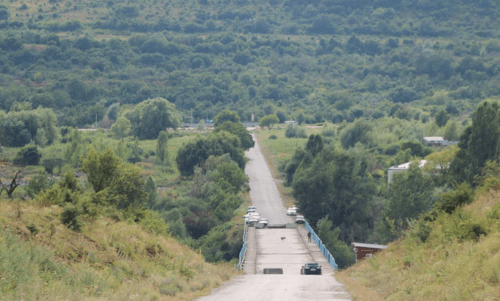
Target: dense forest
point(310, 61)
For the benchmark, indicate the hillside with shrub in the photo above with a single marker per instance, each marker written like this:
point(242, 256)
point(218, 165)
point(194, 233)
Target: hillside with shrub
point(453, 257)
point(101, 214)
point(109, 258)
point(438, 216)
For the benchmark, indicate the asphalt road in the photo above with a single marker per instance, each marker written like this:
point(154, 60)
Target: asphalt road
point(263, 192)
point(267, 249)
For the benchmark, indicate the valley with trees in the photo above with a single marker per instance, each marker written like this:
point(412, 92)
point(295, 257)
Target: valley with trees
point(102, 185)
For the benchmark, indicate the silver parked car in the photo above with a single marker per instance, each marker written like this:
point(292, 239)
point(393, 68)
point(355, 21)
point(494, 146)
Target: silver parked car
point(300, 219)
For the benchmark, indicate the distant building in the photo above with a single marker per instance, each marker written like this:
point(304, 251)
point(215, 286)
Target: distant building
point(438, 141)
point(366, 250)
point(290, 122)
point(402, 167)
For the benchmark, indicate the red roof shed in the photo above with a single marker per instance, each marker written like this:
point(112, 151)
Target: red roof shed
point(366, 250)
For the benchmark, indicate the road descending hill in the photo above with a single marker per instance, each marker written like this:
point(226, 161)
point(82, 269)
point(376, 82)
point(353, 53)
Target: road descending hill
point(267, 249)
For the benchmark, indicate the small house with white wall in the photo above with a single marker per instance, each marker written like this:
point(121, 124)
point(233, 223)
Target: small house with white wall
point(402, 167)
point(438, 141)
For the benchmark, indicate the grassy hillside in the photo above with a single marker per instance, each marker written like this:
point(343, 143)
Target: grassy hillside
point(116, 254)
point(448, 266)
point(453, 257)
point(111, 259)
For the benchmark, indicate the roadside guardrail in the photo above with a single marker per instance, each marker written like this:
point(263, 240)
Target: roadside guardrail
point(243, 249)
point(322, 247)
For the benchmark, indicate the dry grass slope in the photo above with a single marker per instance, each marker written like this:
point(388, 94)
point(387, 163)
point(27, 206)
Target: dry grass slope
point(108, 260)
point(444, 267)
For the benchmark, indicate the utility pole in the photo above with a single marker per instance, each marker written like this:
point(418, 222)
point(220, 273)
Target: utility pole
point(191, 115)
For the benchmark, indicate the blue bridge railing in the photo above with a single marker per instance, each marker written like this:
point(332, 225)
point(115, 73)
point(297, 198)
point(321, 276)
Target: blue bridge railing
point(243, 249)
point(322, 247)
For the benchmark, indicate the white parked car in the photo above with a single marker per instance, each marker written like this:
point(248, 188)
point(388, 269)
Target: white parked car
point(300, 219)
point(251, 215)
point(291, 211)
point(264, 221)
point(252, 220)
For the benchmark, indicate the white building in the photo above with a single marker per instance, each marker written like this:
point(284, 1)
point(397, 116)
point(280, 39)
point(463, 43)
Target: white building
point(438, 141)
point(402, 167)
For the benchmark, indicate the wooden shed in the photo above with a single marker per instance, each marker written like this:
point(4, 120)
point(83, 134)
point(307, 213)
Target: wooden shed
point(366, 250)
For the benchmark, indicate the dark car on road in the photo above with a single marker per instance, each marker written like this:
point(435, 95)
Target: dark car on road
point(311, 268)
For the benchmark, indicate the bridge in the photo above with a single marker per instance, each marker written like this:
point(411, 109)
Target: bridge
point(284, 247)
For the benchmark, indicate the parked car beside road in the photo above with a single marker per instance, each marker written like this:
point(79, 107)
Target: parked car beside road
point(264, 221)
point(300, 219)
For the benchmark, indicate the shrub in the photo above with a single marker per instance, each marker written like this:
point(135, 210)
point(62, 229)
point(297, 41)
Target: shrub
point(70, 218)
point(28, 155)
point(273, 137)
point(292, 131)
point(33, 229)
point(39, 183)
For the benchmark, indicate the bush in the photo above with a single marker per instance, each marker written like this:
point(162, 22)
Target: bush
point(292, 131)
point(28, 155)
point(39, 183)
point(273, 137)
point(69, 217)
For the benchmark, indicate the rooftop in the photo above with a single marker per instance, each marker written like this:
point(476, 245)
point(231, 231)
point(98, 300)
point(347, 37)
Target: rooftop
point(371, 246)
point(433, 138)
point(406, 165)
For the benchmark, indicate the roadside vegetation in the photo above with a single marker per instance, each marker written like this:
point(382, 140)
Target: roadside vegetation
point(439, 220)
point(100, 215)
point(110, 257)
point(457, 260)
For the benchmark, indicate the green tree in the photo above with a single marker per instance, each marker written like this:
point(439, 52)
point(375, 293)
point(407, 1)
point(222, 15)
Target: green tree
point(342, 253)
point(478, 144)
point(440, 162)
point(101, 169)
point(358, 131)
point(228, 176)
point(38, 183)
point(291, 166)
point(197, 151)
point(226, 115)
point(161, 147)
point(484, 138)
point(451, 131)
point(152, 191)
point(410, 194)
point(121, 128)
point(314, 144)
point(239, 130)
point(41, 138)
point(201, 125)
point(113, 111)
point(336, 184)
point(151, 116)
point(442, 118)
point(28, 155)
point(269, 121)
